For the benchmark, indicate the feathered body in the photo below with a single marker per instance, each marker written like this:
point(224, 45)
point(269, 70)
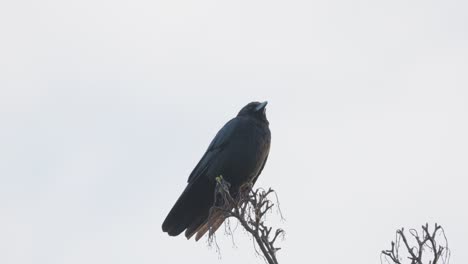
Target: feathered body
point(238, 153)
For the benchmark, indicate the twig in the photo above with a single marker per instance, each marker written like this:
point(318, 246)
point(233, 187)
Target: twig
point(250, 208)
point(427, 240)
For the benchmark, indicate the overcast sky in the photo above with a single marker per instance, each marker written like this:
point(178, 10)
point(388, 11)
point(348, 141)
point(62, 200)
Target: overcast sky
point(106, 107)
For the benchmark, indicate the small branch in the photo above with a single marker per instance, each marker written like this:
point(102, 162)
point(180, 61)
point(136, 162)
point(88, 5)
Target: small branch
point(427, 240)
point(250, 209)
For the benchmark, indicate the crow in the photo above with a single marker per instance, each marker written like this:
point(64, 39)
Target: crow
point(238, 153)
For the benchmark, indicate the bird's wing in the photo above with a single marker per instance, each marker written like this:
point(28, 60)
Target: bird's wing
point(216, 146)
point(260, 171)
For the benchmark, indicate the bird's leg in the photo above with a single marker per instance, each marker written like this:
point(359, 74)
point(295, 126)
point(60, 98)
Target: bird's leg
point(221, 183)
point(222, 189)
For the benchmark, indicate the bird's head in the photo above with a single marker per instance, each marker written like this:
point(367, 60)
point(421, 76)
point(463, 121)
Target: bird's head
point(254, 109)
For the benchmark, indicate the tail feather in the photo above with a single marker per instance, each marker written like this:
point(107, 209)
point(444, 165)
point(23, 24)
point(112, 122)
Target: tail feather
point(192, 205)
point(212, 224)
point(195, 225)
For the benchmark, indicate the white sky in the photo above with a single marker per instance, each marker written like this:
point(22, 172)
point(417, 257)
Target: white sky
point(106, 106)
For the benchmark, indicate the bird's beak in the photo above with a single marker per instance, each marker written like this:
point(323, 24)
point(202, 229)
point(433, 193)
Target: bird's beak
point(261, 106)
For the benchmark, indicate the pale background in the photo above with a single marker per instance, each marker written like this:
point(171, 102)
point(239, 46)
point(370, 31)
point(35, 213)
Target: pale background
point(106, 106)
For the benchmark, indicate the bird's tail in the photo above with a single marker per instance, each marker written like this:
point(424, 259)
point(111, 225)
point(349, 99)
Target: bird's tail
point(214, 221)
point(191, 209)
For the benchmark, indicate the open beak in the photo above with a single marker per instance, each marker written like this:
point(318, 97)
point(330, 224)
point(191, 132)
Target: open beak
point(261, 106)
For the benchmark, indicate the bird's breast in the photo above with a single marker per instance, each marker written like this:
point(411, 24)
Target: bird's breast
point(247, 153)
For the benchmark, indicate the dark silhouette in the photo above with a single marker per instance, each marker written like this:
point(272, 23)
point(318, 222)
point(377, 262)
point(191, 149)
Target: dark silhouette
point(421, 247)
point(238, 153)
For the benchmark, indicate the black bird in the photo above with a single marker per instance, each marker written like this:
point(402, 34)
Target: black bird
point(238, 153)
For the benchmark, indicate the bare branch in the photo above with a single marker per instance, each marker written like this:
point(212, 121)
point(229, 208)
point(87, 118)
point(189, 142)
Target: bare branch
point(250, 209)
point(424, 242)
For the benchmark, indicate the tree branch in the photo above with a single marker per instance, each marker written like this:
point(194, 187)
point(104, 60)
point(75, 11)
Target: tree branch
point(427, 240)
point(250, 208)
